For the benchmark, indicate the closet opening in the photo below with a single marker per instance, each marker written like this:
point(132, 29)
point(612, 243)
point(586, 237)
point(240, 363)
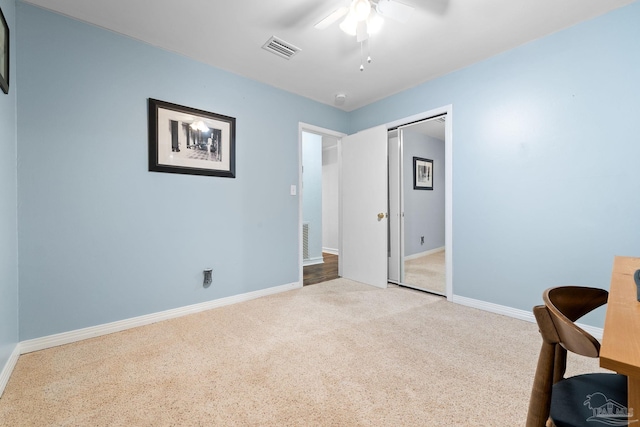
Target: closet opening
point(417, 205)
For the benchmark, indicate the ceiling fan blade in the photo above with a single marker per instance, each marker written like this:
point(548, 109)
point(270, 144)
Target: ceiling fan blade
point(395, 10)
point(331, 18)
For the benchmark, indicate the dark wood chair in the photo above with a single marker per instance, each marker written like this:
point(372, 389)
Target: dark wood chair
point(562, 402)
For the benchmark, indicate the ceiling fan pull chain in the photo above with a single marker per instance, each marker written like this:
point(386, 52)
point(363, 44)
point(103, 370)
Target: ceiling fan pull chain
point(361, 57)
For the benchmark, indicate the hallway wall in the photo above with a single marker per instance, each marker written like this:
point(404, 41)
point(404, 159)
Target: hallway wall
point(312, 193)
point(330, 195)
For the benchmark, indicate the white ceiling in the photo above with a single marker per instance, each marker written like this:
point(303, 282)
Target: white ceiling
point(440, 37)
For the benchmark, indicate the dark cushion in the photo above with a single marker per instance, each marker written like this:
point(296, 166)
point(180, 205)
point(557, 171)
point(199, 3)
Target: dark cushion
point(590, 400)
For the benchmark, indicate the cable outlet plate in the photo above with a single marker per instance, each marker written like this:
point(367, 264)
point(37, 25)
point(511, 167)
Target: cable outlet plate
point(208, 273)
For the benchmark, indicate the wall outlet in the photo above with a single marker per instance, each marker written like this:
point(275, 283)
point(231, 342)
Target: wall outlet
point(422, 240)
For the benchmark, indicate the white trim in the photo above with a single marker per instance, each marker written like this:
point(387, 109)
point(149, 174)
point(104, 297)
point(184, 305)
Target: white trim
point(331, 251)
point(8, 368)
point(448, 216)
point(515, 313)
point(121, 325)
point(319, 130)
point(313, 261)
point(425, 253)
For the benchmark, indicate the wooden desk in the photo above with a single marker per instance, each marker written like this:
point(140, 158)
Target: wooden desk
point(620, 350)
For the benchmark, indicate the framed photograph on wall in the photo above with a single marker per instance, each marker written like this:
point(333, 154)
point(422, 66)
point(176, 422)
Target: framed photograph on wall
point(190, 141)
point(422, 174)
point(4, 54)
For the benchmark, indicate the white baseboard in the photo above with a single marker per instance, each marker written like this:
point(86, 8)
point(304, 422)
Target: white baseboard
point(121, 325)
point(312, 261)
point(6, 372)
point(514, 312)
point(425, 253)
point(331, 251)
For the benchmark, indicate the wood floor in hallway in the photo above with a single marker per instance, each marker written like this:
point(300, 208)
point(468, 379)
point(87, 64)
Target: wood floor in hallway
point(318, 273)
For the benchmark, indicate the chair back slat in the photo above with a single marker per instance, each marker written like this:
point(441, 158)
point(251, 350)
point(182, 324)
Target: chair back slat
point(567, 304)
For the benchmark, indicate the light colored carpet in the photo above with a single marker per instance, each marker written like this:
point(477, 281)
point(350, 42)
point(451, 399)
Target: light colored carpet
point(426, 272)
point(333, 354)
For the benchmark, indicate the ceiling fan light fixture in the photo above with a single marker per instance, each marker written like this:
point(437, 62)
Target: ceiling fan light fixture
point(374, 23)
point(361, 9)
point(364, 18)
point(349, 24)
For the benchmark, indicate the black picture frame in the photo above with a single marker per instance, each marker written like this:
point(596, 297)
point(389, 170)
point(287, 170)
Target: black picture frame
point(422, 174)
point(4, 53)
point(189, 141)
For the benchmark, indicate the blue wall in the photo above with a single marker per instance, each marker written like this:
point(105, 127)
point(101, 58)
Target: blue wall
point(312, 192)
point(8, 202)
point(423, 209)
point(101, 238)
point(545, 173)
point(545, 159)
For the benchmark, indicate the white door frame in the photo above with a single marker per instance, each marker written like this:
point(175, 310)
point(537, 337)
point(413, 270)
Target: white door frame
point(305, 127)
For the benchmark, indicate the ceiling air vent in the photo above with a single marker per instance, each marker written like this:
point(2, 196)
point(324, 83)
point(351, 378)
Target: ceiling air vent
point(280, 47)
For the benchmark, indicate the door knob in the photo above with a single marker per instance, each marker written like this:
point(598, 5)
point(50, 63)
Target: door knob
point(380, 216)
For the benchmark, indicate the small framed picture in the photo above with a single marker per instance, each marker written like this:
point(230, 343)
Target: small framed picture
point(190, 141)
point(4, 54)
point(422, 174)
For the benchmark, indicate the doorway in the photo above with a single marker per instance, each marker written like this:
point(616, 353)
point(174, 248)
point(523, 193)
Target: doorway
point(320, 184)
point(319, 203)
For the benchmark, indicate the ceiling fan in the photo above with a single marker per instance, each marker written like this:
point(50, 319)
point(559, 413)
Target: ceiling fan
point(365, 17)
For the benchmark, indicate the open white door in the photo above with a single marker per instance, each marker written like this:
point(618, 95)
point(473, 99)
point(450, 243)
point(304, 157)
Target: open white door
point(364, 207)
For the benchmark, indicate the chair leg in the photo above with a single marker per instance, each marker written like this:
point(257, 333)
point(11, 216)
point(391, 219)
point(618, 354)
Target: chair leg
point(538, 413)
